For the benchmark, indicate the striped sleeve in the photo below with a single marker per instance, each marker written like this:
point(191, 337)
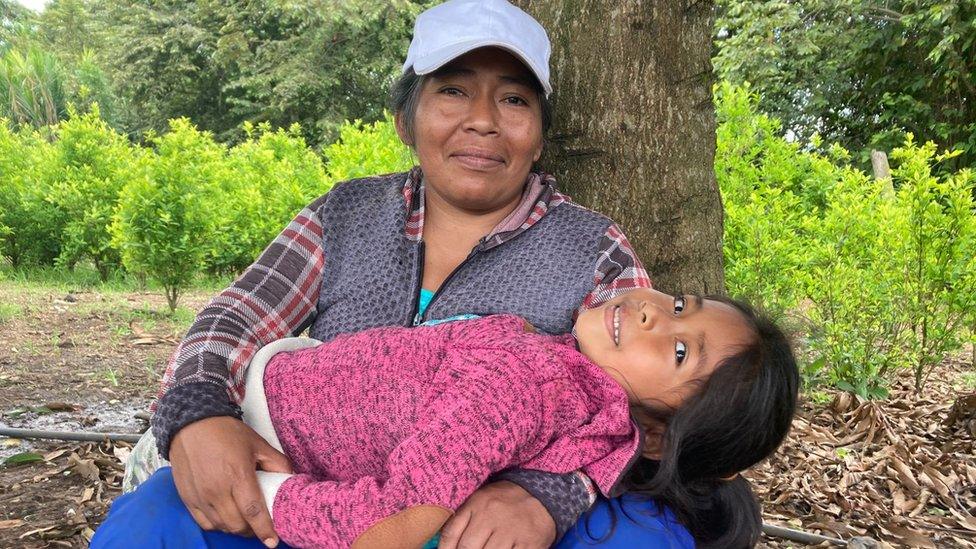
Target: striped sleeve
point(274, 298)
point(617, 269)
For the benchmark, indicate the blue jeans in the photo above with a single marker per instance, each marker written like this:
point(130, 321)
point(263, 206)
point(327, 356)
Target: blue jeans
point(154, 517)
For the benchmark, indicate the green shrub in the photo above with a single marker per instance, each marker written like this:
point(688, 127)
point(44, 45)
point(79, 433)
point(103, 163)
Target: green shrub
point(857, 327)
point(935, 252)
point(33, 224)
point(769, 187)
point(883, 281)
point(367, 149)
point(269, 178)
point(89, 166)
point(164, 222)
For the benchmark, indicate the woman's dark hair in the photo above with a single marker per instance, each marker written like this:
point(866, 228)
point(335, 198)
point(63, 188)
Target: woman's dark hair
point(741, 414)
point(405, 95)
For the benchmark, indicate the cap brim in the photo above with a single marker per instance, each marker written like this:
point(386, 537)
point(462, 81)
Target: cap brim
point(440, 57)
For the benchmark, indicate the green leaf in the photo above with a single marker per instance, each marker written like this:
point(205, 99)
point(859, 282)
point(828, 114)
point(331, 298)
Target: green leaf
point(16, 412)
point(845, 386)
point(22, 458)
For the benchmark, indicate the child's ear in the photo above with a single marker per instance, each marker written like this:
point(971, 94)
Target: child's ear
point(653, 439)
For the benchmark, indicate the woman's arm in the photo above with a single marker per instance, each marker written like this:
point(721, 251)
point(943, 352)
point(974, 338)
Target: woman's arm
point(197, 419)
point(274, 298)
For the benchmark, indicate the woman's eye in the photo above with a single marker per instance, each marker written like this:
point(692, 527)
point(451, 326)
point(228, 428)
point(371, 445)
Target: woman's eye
point(515, 100)
point(680, 352)
point(679, 304)
point(450, 91)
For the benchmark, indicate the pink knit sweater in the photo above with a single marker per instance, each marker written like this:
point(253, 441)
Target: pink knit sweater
point(391, 418)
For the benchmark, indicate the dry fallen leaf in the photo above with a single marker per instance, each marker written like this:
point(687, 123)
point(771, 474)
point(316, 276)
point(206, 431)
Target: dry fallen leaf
point(86, 495)
point(909, 538)
point(37, 531)
point(84, 467)
point(51, 456)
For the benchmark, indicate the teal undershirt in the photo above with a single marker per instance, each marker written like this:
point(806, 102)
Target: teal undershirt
point(424, 301)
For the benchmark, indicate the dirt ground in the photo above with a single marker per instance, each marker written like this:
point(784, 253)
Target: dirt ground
point(902, 471)
point(74, 360)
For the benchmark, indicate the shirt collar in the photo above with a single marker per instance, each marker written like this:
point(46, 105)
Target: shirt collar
point(538, 196)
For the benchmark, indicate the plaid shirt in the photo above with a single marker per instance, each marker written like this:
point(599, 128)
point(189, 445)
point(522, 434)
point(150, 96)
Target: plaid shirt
point(276, 296)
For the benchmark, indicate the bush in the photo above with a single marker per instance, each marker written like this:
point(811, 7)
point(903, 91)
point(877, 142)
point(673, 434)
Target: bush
point(884, 280)
point(32, 224)
point(857, 325)
point(936, 254)
point(367, 149)
point(89, 166)
point(164, 222)
point(769, 187)
point(269, 178)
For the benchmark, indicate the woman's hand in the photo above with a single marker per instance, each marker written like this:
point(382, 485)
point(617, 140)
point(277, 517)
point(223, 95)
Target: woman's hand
point(214, 462)
point(499, 516)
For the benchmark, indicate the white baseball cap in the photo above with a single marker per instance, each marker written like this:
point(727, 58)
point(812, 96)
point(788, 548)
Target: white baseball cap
point(452, 29)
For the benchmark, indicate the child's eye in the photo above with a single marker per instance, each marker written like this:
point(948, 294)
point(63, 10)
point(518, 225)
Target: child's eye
point(680, 352)
point(679, 304)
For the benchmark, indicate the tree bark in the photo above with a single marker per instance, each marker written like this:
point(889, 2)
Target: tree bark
point(634, 127)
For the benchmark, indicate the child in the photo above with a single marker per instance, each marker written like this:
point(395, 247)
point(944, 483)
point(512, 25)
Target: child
point(391, 429)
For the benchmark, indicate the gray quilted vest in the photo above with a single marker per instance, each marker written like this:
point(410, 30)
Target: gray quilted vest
point(373, 271)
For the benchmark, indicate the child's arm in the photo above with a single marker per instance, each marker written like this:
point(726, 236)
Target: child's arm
point(481, 425)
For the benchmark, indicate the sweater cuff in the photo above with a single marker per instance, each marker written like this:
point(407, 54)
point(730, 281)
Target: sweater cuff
point(270, 483)
point(184, 404)
point(566, 497)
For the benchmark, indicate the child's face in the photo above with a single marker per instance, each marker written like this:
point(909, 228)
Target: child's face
point(663, 342)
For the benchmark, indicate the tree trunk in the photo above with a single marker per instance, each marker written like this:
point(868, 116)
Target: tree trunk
point(634, 127)
point(172, 297)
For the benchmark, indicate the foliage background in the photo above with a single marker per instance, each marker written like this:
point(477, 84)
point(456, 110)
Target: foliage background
point(858, 72)
point(173, 139)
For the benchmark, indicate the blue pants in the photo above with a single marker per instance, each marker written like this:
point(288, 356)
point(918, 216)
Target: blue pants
point(154, 517)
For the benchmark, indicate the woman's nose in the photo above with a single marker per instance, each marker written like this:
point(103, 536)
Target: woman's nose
point(483, 115)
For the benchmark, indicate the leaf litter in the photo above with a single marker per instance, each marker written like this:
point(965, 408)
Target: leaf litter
point(901, 471)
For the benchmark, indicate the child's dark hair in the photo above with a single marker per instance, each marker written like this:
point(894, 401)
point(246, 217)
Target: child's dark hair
point(740, 415)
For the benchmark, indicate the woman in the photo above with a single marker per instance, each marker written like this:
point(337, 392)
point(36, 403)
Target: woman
point(470, 230)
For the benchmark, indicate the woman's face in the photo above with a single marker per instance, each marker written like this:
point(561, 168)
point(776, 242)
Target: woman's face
point(477, 131)
point(657, 345)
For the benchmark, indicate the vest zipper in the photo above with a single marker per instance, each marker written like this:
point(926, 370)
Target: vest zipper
point(419, 319)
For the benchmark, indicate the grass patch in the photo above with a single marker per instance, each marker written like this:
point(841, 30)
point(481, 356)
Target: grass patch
point(968, 380)
point(9, 311)
point(85, 277)
point(115, 297)
point(183, 317)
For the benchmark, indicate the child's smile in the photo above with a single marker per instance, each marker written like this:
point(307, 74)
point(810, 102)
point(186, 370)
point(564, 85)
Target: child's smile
point(658, 346)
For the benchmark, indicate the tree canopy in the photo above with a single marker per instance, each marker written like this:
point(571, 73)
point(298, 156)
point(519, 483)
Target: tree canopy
point(223, 63)
point(858, 72)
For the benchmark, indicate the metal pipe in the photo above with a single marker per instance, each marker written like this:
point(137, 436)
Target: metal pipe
point(799, 536)
point(83, 436)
